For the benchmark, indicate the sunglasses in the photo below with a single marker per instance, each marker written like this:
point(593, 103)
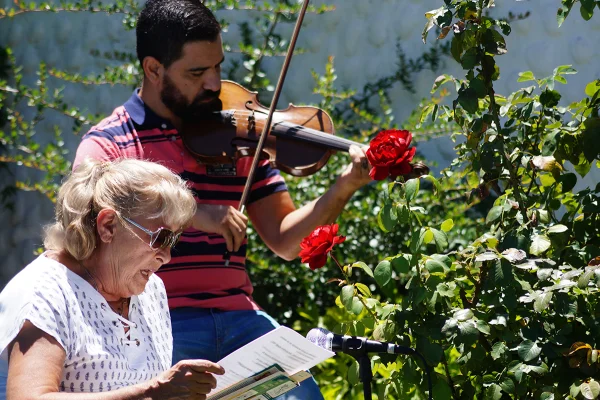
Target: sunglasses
point(160, 238)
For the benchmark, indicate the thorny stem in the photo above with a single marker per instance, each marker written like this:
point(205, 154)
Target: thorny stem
point(340, 266)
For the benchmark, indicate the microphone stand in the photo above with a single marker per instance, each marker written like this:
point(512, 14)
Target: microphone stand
point(365, 375)
point(356, 348)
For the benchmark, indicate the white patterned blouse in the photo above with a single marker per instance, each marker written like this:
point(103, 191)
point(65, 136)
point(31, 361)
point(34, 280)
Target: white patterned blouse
point(100, 356)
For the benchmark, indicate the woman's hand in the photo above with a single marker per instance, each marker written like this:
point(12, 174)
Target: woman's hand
point(188, 379)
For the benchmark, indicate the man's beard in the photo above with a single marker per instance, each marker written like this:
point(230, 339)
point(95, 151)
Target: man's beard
point(189, 112)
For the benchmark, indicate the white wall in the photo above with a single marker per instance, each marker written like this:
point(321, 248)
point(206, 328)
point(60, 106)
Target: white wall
point(361, 34)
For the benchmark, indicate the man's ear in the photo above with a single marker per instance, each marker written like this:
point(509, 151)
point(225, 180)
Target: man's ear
point(106, 223)
point(153, 69)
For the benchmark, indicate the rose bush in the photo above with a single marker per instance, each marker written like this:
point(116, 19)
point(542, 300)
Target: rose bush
point(512, 314)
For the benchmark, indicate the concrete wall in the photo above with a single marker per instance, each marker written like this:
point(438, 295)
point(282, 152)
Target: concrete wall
point(361, 34)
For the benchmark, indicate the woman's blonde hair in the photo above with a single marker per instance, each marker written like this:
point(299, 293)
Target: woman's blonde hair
point(131, 187)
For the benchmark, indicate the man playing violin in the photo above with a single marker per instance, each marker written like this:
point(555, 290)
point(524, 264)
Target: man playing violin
point(180, 50)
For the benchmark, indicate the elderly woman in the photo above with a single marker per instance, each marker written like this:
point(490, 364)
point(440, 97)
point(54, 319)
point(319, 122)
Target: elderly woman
point(89, 315)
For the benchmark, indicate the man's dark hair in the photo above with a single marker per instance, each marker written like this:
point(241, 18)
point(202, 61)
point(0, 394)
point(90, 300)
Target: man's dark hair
point(164, 26)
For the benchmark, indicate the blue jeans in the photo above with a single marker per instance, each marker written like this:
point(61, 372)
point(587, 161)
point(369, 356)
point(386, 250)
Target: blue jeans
point(3, 376)
point(212, 334)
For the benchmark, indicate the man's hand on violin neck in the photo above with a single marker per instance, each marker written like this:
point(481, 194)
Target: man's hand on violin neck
point(223, 220)
point(356, 175)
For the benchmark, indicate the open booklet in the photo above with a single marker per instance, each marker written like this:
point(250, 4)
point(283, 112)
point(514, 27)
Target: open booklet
point(268, 366)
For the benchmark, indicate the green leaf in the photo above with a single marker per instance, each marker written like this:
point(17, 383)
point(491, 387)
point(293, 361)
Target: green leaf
point(389, 330)
point(479, 87)
point(568, 181)
point(564, 11)
point(401, 265)
point(463, 315)
point(483, 327)
point(539, 244)
point(502, 273)
point(542, 301)
point(346, 296)
point(558, 229)
point(378, 332)
point(508, 385)
point(368, 322)
point(357, 306)
point(499, 350)
point(550, 98)
point(456, 47)
point(494, 213)
point(587, 9)
point(467, 98)
point(441, 240)
point(487, 256)
point(447, 225)
point(364, 289)
point(431, 21)
point(583, 168)
point(364, 267)
point(565, 70)
point(528, 350)
point(585, 278)
point(468, 328)
point(403, 214)
point(433, 266)
point(388, 217)
point(526, 76)
point(449, 326)
point(383, 273)
point(592, 87)
point(590, 390)
point(416, 240)
point(412, 188)
point(446, 289)
point(493, 392)
point(353, 373)
point(428, 237)
point(591, 144)
point(441, 390)
point(441, 80)
point(514, 255)
point(469, 59)
point(437, 188)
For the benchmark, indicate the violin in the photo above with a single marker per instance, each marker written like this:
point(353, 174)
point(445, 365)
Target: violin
point(300, 141)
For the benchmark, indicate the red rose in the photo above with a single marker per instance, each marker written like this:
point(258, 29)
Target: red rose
point(389, 154)
point(316, 246)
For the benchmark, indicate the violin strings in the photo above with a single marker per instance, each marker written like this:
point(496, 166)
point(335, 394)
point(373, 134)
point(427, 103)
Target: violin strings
point(326, 139)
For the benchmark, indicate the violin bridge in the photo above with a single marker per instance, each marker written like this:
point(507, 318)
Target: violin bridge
point(251, 121)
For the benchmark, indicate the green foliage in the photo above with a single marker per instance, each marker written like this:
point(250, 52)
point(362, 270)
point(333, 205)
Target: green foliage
point(513, 312)
point(586, 9)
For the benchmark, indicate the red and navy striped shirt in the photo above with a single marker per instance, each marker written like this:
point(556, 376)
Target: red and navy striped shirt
point(197, 275)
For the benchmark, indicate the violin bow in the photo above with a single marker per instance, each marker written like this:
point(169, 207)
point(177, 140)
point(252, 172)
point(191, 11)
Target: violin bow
point(272, 108)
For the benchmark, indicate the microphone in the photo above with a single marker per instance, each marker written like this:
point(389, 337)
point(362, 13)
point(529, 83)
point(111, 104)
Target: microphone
point(359, 347)
point(354, 345)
